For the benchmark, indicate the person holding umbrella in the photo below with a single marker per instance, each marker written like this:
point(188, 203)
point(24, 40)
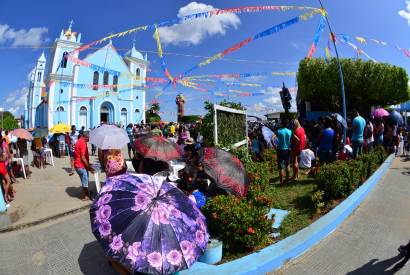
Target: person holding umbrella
point(82, 163)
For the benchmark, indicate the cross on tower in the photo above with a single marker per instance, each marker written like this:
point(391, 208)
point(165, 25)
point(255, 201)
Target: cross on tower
point(133, 42)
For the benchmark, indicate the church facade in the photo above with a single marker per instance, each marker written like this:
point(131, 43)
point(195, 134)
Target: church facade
point(102, 87)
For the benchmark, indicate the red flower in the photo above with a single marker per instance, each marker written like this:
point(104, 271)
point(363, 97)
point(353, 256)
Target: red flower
point(251, 230)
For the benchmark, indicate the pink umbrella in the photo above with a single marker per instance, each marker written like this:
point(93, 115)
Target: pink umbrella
point(23, 134)
point(380, 112)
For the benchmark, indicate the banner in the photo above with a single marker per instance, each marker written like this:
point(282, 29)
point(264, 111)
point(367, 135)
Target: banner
point(246, 41)
point(206, 14)
point(161, 56)
point(316, 38)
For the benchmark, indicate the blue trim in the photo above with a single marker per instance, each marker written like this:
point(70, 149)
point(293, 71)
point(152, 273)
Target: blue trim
point(274, 256)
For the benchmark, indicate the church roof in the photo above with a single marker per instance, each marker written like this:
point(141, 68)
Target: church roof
point(42, 57)
point(134, 53)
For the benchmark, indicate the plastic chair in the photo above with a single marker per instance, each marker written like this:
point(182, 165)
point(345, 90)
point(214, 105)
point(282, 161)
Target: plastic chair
point(48, 154)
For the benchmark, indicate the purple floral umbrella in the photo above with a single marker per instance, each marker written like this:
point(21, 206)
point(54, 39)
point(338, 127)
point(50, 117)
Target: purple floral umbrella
point(148, 225)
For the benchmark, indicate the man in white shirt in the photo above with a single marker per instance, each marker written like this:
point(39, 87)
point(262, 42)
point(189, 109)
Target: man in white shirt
point(306, 157)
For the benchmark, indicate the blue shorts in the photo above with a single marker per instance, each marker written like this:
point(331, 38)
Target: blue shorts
point(83, 173)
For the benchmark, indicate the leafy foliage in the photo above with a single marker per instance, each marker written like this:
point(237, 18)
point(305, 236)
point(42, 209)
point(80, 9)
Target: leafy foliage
point(242, 153)
point(151, 115)
point(377, 84)
point(191, 118)
point(241, 225)
point(339, 179)
point(9, 122)
point(234, 125)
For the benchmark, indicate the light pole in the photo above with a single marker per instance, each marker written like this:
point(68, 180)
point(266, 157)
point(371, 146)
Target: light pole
point(340, 71)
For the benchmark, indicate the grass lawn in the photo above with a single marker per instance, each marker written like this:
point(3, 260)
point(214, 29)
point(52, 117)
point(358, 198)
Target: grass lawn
point(294, 196)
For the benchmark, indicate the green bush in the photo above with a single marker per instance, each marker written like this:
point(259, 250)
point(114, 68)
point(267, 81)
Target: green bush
point(241, 225)
point(242, 153)
point(334, 180)
point(340, 178)
point(357, 172)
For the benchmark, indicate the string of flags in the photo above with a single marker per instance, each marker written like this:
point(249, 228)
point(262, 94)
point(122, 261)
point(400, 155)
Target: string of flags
point(206, 14)
point(270, 31)
point(346, 38)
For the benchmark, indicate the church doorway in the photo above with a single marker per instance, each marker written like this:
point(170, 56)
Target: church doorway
point(107, 112)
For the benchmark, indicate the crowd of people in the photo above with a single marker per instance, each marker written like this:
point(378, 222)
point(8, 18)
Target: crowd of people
point(186, 137)
point(309, 144)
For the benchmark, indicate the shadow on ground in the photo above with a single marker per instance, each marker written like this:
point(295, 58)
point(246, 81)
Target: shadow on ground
point(68, 170)
point(74, 192)
point(92, 260)
point(375, 266)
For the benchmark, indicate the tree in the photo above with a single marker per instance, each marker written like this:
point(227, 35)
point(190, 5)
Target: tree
point(151, 115)
point(366, 84)
point(9, 122)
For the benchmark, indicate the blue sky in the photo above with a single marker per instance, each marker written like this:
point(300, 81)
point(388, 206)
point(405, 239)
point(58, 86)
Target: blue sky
point(38, 23)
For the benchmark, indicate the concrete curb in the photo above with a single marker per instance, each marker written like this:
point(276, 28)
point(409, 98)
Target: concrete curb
point(46, 219)
point(274, 256)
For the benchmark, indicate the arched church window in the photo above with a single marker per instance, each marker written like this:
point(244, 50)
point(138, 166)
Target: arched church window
point(39, 77)
point(83, 117)
point(124, 116)
point(137, 110)
point(137, 73)
point(60, 109)
point(64, 60)
point(115, 82)
point(105, 79)
point(95, 80)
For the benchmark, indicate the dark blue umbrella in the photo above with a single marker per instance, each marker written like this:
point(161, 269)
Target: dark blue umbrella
point(396, 117)
point(340, 119)
point(148, 225)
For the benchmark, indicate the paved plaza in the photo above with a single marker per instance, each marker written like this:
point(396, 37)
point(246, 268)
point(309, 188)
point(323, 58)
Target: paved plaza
point(366, 243)
point(50, 192)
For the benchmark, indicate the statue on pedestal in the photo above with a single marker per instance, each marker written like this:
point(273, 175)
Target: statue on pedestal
point(180, 101)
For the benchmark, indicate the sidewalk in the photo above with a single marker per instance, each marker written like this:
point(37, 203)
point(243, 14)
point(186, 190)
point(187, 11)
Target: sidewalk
point(49, 193)
point(367, 242)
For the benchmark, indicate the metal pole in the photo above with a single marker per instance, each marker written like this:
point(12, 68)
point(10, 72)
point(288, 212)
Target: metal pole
point(340, 71)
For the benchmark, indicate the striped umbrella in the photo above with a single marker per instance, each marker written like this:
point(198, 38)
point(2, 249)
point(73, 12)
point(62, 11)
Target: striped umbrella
point(156, 148)
point(227, 171)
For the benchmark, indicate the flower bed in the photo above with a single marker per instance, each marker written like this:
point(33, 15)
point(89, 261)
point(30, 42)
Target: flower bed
point(241, 223)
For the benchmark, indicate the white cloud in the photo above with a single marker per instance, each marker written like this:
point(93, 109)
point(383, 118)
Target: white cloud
point(272, 100)
point(22, 37)
point(195, 31)
point(406, 13)
point(16, 101)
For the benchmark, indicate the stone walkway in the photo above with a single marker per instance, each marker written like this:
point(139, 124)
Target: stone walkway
point(367, 242)
point(48, 193)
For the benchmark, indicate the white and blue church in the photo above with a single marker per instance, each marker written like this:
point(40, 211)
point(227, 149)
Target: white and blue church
point(67, 91)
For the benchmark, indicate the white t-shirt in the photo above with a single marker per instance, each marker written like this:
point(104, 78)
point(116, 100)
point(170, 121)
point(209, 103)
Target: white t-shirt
point(306, 157)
